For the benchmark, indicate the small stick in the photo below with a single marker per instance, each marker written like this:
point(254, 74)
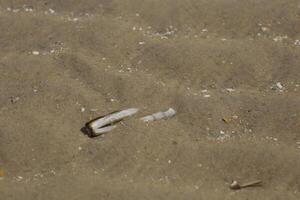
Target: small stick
point(236, 186)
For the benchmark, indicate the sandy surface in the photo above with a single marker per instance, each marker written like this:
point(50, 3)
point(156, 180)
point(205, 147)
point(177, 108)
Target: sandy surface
point(229, 67)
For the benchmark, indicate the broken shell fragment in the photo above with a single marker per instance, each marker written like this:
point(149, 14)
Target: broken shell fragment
point(159, 115)
point(106, 123)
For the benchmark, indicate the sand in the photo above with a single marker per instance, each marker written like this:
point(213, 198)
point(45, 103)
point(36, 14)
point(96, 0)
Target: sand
point(229, 68)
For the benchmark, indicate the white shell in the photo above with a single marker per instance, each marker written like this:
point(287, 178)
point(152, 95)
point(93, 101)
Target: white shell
point(159, 115)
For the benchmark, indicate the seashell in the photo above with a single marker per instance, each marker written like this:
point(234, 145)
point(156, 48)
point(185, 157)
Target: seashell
point(106, 123)
point(159, 115)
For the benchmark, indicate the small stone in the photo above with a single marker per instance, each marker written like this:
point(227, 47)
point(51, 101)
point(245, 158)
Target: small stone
point(51, 11)
point(264, 29)
point(82, 109)
point(206, 96)
point(36, 53)
point(79, 148)
point(141, 43)
point(169, 161)
point(279, 85)
point(235, 117)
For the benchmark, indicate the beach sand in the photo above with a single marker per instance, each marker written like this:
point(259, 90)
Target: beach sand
point(229, 68)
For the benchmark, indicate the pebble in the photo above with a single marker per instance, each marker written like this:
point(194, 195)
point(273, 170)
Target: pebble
point(28, 9)
point(206, 96)
point(82, 109)
point(279, 85)
point(36, 53)
point(297, 43)
point(51, 11)
point(19, 178)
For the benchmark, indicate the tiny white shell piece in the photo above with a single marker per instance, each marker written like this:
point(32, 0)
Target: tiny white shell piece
point(159, 115)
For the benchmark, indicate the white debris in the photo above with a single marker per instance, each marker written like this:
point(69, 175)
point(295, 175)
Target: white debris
point(141, 43)
point(79, 148)
point(279, 85)
point(280, 38)
point(297, 42)
point(206, 95)
point(28, 9)
point(82, 109)
point(159, 115)
point(230, 90)
point(36, 53)
point(265, 29)
point(169, 161)
point(235, 117)
point(51, 11)
point(105, 124)
point(223, 136)
point(137, 14)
